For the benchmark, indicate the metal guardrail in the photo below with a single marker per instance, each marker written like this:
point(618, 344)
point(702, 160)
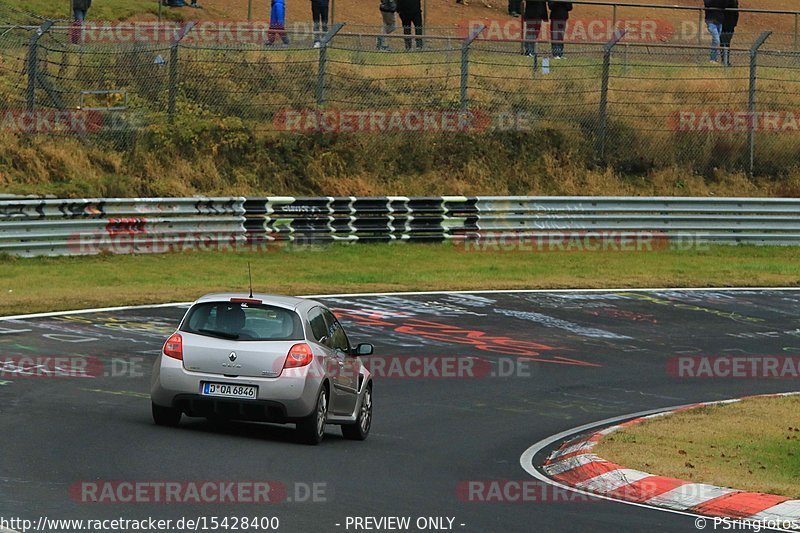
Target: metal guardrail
point(119, 225)
point(152, 225)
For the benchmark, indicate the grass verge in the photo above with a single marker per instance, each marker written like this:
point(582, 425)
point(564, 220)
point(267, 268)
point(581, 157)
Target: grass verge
point(49, 284)
point(751, 445)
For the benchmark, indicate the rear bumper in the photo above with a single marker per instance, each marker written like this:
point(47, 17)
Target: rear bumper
point(285, 398)
point(255, 410)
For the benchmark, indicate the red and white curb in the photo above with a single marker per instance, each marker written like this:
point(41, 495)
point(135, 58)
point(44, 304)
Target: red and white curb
point(574, 466)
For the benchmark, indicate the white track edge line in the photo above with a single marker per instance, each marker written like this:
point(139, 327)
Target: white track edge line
point(414, 293)
point(526, 459)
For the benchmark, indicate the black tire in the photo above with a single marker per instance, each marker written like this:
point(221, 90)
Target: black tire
point(311, 429)
point(166, 416)
point(360, 429)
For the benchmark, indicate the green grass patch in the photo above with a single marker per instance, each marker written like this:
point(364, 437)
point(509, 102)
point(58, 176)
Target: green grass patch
point(104, 10)
point(48, 284)
point(752, 445)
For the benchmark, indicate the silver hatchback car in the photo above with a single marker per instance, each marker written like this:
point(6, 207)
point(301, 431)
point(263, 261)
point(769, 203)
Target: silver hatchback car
point(263, 358)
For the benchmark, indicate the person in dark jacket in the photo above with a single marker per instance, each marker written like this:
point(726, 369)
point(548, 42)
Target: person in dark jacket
point(319, 14)
point(559, 14)
point(514, 7)
point(715, 16)
point(729, 21)
point(80, 8)
point(388, 9)
point(535, 14)
point(410, 12)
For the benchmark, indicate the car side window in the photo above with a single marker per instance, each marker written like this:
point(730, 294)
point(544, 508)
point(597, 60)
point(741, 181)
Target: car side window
point(318, 327)
point(336, 332)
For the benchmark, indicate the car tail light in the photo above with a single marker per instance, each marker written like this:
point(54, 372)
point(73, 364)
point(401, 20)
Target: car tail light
point(299, 355)
point(174, 347)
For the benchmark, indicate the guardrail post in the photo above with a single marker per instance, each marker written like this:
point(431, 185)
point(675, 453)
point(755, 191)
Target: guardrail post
point(173, 69)
point(33, 63)
point(323, 62)
point(601, 136)
point(751, 101)
point(464, 98)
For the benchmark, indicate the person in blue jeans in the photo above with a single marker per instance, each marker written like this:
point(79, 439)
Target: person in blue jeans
point(715, 17)
point(80, 8)
point(277, 22)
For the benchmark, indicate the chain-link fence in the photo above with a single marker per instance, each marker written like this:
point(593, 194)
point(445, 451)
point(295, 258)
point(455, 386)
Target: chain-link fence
point(623, 102)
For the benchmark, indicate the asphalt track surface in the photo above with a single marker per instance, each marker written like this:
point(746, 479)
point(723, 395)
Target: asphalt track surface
point(574, 358)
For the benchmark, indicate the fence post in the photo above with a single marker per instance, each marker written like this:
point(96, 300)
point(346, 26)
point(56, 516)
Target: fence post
point(464, 99)
point(700, 17)
point(751, 101)
point(173, 69)
point(33, 63)
point(609, 46)
point(323, 62)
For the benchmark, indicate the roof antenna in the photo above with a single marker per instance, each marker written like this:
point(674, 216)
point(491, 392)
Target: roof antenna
point(250, 275)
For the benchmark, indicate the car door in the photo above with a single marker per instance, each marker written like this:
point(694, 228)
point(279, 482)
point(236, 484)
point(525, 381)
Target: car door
point(345, 380)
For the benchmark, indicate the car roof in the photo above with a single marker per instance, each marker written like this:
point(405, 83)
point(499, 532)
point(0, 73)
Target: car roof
point(287, 302)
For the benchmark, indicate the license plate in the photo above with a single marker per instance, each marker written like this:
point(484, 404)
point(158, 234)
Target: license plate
point(226, 390)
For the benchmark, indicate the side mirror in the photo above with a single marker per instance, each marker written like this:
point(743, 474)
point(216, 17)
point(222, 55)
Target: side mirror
point(364, 349)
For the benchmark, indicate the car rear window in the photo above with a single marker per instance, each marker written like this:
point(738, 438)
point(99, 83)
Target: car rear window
point(243, 321)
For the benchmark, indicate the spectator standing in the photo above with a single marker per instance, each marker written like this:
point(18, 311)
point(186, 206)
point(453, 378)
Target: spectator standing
point(535, 14)
point(514, 7)
point(388, 9)
point(410, 12)
point(319, 14)
point(277, 22)
point(729, 21)
point(714, 19)
point(80, 8)
point(559, 15)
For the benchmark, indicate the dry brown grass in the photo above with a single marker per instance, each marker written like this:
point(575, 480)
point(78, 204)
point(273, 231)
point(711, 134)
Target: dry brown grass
point(751, 445)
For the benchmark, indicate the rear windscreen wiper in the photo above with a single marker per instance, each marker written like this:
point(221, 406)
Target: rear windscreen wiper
point(224, 335)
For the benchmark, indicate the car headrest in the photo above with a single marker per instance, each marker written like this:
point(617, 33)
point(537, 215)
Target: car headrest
point(287, 325)
point(234, 319)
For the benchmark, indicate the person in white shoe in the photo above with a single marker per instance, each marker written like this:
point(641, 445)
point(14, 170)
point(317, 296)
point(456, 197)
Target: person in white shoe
point(388, 9)
point(319, 15)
